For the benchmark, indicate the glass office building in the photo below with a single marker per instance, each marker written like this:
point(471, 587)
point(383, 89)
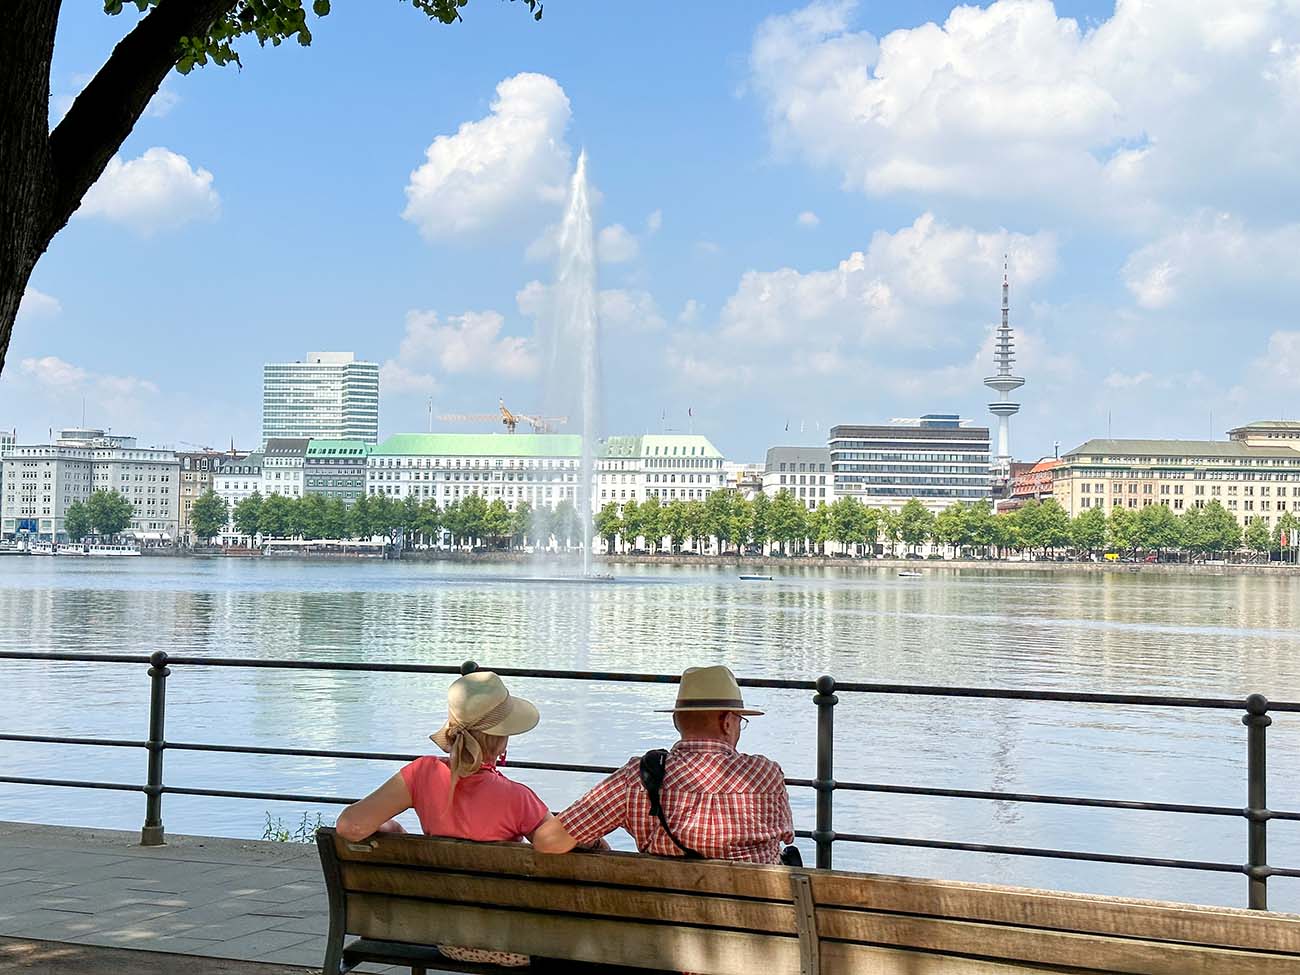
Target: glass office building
point(937, 459)
point(330, 396)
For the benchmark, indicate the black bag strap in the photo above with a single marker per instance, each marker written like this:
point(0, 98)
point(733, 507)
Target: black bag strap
point(654, 765)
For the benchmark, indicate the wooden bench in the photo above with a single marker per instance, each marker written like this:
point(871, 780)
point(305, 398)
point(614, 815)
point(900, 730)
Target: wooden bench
point(403, 894)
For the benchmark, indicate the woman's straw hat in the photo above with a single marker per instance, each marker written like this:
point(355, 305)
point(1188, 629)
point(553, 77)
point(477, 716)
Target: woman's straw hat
point(709, 689)
point(480, 702)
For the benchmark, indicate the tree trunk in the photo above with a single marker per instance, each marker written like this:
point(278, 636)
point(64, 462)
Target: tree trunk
point(44, 175)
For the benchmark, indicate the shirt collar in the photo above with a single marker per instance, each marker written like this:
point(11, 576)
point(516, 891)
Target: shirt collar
point(698, 745)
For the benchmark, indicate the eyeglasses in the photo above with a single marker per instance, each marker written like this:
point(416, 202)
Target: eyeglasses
point(744, 721)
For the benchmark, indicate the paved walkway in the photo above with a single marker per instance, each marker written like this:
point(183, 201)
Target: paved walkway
point(21, 957)
point(218, 898)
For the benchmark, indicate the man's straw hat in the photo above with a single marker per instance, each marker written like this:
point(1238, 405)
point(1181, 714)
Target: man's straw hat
point(709, 689)
point(480, 702)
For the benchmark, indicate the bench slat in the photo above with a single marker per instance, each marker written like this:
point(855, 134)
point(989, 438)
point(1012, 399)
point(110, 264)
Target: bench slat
point(1086, 951)
point(841, 958)
point(571, 898)
point(708, 951)
point(743, 880)
point(1085, 913)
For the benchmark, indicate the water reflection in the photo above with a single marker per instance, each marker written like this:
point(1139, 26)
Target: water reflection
point(1185, 635)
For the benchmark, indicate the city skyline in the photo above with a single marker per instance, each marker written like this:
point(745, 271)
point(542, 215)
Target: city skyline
point(768, 257)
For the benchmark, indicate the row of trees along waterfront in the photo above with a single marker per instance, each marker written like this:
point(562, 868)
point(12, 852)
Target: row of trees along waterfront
point(726, 522)
point(469, 521)
point(785, 524)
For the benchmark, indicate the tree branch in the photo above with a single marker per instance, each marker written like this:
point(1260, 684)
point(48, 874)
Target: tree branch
point(107, 109)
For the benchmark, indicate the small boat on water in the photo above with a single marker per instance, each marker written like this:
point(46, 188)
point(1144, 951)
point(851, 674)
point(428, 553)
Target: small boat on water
point(74, 548)
point(755, 578)
point(41, 548)
point(910, 574)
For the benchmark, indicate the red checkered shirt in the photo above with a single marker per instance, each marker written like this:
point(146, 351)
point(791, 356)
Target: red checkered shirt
point(723, 804)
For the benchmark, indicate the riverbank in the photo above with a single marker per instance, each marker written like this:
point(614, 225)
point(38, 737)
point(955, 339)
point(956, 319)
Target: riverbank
point(747, 563)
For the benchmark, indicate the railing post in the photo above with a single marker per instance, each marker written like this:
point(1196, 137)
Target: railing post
point(824, 833)
point(152, 832)
point(1257, 721)
point(468, 667)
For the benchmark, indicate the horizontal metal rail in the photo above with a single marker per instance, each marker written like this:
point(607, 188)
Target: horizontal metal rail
point(1256, 718)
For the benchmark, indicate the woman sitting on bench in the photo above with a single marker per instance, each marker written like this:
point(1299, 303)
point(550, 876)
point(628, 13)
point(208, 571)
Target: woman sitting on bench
point(465, 796)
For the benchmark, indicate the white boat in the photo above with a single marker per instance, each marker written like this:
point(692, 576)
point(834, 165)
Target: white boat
point(71, 548)
point(41, 548)
point(116, 550)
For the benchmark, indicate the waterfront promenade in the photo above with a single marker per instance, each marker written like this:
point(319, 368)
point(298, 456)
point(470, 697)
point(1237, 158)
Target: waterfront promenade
point(221, 899)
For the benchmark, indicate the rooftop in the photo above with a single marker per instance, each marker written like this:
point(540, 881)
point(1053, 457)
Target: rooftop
point(1179, 448)
point(481, 445)
point(338, 448)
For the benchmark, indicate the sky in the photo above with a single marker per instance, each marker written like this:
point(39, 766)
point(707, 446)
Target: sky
point(803, 212)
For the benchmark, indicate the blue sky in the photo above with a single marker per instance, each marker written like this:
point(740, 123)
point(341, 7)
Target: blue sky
point(806, 207)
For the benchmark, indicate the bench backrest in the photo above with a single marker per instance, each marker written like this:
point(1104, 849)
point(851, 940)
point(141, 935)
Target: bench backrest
point(720, 918)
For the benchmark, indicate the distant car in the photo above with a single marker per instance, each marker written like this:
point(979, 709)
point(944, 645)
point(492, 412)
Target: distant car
point(916, 556)
point(1151, 558)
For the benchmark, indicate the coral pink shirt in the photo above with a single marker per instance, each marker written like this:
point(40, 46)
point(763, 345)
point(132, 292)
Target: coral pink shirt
point(487, 806)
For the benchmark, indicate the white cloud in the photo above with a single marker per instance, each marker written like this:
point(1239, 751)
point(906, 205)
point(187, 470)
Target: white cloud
point(690, 312)
point(1281, 362)
point(55, 374)
point(163, 101)
point(708, 247)
point(808, 219)
point(928, 288)
point(1215, 256)
point(157, 191)
point(654, 222)
point(1123, 380)
point(629, 310)
point(498, 168)
point(616, 245)
point(469, 344)
point(1164, 100)
point(924, 266)
point(37, 304)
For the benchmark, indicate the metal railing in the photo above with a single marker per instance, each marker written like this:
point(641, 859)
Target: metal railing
point(826, 694)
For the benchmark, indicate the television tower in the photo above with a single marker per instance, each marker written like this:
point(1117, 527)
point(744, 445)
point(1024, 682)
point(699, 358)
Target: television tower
point(1004, 382)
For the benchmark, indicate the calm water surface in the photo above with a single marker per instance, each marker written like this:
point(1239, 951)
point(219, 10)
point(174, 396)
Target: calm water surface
point(1188, 635)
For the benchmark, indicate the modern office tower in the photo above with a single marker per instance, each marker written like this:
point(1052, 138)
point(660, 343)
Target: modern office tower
point(330, 396)
point(937, 459)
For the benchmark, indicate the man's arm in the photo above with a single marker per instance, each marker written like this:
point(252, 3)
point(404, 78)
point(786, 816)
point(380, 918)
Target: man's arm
point(595, 815)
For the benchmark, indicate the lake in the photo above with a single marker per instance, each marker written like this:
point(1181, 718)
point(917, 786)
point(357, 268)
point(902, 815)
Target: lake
point(1125, 633)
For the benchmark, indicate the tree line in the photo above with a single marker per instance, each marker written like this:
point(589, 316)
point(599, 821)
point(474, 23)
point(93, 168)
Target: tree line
point(784, 523)
point(728, 522)
point(471, 520)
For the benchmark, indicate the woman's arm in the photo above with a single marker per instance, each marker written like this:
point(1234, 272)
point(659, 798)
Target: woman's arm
point(372, 814)
point(551, 837)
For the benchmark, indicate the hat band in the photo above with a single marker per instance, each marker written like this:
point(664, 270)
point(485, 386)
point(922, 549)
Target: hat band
point(714, 703)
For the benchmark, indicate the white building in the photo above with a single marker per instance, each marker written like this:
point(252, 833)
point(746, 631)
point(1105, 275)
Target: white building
point(235, 479)
point(540, 468)
point(41, 480)
point(803, 471)
point(283, 460)
point(937, 459)
point(330, 396)
point(543, 468)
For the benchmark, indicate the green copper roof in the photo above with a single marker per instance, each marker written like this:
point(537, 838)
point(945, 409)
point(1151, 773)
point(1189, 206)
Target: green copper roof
point(338, 448)
point(1164, 449)
point(619, 447)
point(481, 445)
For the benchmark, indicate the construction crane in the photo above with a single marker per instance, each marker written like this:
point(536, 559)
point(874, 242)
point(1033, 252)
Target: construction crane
point(204, 447)
point(510, 420)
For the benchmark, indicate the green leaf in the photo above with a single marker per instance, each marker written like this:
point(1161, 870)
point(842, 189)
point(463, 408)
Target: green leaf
point(321, 7)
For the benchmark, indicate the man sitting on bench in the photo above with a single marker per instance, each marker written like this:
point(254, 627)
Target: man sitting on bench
point(701, 799)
